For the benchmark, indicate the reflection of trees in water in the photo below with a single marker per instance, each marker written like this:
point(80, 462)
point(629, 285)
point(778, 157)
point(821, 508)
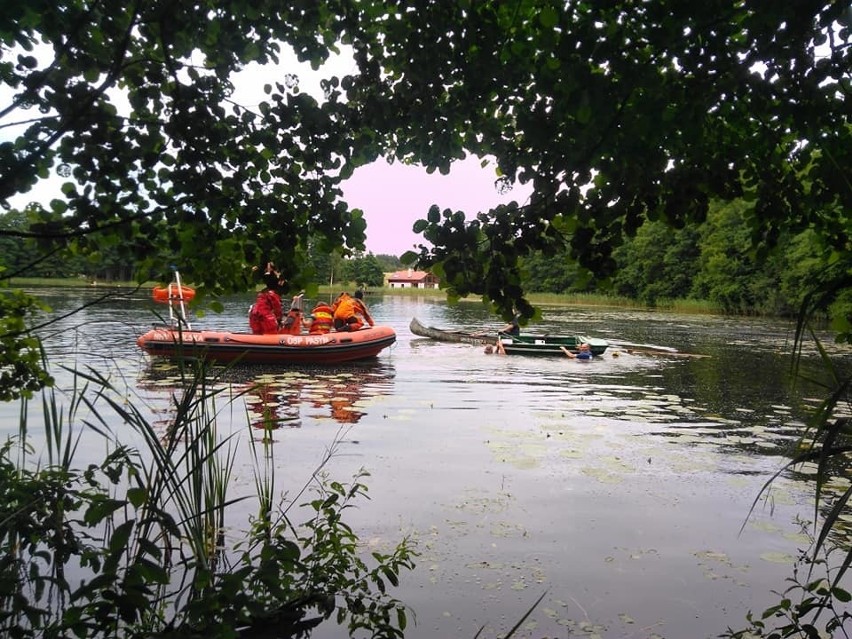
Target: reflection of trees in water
point(277, 398)
point(776, 432)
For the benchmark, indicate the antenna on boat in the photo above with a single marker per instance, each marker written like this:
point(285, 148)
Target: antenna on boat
point(176, 294)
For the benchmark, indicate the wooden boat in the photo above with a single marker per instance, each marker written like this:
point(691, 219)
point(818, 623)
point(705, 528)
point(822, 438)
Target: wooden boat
point(550, 344)
point(521, 345)
point(449, 336)
point(226, 347)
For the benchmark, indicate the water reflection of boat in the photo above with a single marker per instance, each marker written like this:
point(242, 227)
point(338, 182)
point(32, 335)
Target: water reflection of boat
point(277, 399)
point(225, 347)
point(526, 344)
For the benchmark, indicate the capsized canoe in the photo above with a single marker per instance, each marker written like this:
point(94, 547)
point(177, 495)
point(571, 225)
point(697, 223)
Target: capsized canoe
point(449, 336)
point(550, 344)
point(225, 347)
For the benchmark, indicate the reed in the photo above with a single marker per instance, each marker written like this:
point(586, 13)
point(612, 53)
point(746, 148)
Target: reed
point(135, 546)
point(689, 307)
point(598, 300)
point(591, 300)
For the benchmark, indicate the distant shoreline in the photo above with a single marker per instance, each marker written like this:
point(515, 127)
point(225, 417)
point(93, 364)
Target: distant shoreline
point(598, 300)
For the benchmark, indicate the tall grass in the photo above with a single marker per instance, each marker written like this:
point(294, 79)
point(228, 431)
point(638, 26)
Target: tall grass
point(135, 545)
point(597, 300)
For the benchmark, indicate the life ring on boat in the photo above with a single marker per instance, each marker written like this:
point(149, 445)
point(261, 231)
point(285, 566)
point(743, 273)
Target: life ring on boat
point(172, 292)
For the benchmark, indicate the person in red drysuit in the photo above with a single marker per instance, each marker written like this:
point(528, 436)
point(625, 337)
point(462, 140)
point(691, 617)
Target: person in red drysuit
point(266, 313)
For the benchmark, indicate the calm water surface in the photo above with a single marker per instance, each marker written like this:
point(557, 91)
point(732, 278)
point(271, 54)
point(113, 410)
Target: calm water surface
point(618, 488)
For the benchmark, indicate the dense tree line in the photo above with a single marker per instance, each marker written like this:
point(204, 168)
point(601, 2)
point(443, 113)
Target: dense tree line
point(24, 257)
point(113, 260)
point(364, 269)
point(713, 261)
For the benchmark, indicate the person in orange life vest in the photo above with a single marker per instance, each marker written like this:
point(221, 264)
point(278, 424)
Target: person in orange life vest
point(323, 319)
point(266, 313)
point(350, 313)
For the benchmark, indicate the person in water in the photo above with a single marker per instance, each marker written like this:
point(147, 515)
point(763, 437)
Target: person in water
point(266, 314)
point(585, 352)
point(513, 329)
point(350, 312)
point(497, 348)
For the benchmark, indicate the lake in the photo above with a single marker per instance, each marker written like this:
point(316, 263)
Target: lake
point(618, 488)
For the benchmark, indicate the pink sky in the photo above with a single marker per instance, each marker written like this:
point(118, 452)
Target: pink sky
point(391, 196)
point(394, 196)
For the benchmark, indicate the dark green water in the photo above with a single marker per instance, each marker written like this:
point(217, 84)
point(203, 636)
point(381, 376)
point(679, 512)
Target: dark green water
point(618, 487)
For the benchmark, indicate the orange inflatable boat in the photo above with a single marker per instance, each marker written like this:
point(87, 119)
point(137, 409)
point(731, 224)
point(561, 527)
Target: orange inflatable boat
point(225, 347)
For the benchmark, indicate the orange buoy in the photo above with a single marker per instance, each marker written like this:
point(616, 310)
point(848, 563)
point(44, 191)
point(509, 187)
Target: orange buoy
point(173, 292)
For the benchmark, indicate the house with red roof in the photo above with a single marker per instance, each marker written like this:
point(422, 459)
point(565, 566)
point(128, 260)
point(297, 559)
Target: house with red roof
point(412, 279)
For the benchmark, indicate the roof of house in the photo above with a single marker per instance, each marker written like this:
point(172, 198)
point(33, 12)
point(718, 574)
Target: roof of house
point(408, 276)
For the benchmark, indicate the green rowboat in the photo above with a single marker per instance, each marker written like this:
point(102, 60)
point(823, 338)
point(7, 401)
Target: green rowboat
point(550, 344)
point(524, 344)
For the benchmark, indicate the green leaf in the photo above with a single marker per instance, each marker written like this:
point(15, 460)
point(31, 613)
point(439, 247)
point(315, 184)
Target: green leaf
point(841, 595)
point(548, 17)
point(137, 496)
point(58, 206)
